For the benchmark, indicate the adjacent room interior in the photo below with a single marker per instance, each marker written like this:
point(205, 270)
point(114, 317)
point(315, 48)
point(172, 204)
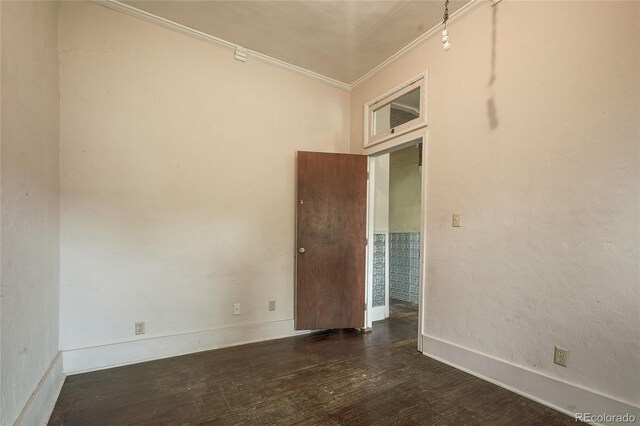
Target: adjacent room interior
point(395, 261)
point(319, 212)
point(405, 187)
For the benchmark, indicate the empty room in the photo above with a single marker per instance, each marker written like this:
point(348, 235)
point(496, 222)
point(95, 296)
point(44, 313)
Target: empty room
point(319, 212)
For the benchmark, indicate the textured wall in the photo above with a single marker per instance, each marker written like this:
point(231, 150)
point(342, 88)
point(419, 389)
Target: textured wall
point(177, 179)
point(29, 234)
point(533, 138)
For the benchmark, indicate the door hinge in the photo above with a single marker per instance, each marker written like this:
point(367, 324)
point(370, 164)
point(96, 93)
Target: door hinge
point(366, 241)
point(365, 307)
point(367, 175)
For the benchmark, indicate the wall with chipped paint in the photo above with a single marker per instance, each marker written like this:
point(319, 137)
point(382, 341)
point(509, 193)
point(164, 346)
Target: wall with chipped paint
point(29, 232)
point(177, 187)
point(534, 139)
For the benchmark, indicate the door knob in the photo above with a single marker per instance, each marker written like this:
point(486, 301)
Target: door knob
point(301, 250)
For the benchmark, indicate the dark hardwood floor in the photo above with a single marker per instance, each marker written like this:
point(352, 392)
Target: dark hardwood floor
point(338, 377)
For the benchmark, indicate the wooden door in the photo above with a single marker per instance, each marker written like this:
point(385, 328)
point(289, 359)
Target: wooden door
point(331, 240)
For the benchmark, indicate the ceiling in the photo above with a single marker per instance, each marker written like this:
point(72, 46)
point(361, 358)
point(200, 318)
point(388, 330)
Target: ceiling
point(342, 40)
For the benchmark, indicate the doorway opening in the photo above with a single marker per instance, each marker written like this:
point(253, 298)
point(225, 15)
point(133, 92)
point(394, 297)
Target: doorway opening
point(395, 218)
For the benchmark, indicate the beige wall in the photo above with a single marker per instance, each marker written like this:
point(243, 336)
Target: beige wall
point(177, 183)
point(29, 235)
point(533, 138)
point(405, 182)
point(381, 198)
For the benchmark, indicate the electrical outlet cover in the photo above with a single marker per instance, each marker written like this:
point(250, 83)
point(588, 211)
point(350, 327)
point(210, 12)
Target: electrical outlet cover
point(139, 328)
point(561, 356)
point(272, 305)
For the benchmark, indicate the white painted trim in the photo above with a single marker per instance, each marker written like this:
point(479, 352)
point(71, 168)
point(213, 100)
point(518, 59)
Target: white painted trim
point(307, 73)
point(455, 17)
point(420, 81)
point(557, 394)
point(183, 29)
point(394, 144)
point(377, 313)
point(397, 142)
point(397, 88)
point(40, 405)
point(387, 267)
point(135, 351)
point(422, 283)
point(371, 203)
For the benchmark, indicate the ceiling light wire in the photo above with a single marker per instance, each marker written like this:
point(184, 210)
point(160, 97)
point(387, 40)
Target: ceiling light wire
point(445, 33)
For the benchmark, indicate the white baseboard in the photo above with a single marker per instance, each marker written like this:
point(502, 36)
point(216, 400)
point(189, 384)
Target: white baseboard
point(562, 396)
point(135, 351)
point(40, 405)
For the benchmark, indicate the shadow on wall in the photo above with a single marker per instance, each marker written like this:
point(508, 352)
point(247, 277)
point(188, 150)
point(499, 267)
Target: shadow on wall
point(492, 111)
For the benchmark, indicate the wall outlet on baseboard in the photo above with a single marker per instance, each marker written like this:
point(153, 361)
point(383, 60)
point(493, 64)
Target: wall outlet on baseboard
point(561, 356)
point(236, 309)
point(272, 305)
point(139, 328)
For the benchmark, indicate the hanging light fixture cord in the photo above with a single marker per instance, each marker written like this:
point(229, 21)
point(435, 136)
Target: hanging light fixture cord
point(445, 34)
point(446, 12)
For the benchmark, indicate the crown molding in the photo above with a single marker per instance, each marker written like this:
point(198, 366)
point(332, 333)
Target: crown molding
point(183, 29)
point(455, 17)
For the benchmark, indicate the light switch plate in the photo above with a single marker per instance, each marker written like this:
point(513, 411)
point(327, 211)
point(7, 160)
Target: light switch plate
point(455, 221)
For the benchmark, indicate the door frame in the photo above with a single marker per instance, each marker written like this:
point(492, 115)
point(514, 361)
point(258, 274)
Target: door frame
point(390, 145)
point(380, 312)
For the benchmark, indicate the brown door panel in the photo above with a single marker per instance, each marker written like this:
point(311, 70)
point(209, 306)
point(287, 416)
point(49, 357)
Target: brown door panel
point(331, 227)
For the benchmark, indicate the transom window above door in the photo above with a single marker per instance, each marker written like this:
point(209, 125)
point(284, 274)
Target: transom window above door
point(398, 111)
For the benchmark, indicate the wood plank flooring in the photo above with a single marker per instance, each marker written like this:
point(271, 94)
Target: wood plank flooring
point(332, 378)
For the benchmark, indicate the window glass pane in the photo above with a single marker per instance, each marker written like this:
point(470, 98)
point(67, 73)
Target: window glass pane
point(400, 111)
